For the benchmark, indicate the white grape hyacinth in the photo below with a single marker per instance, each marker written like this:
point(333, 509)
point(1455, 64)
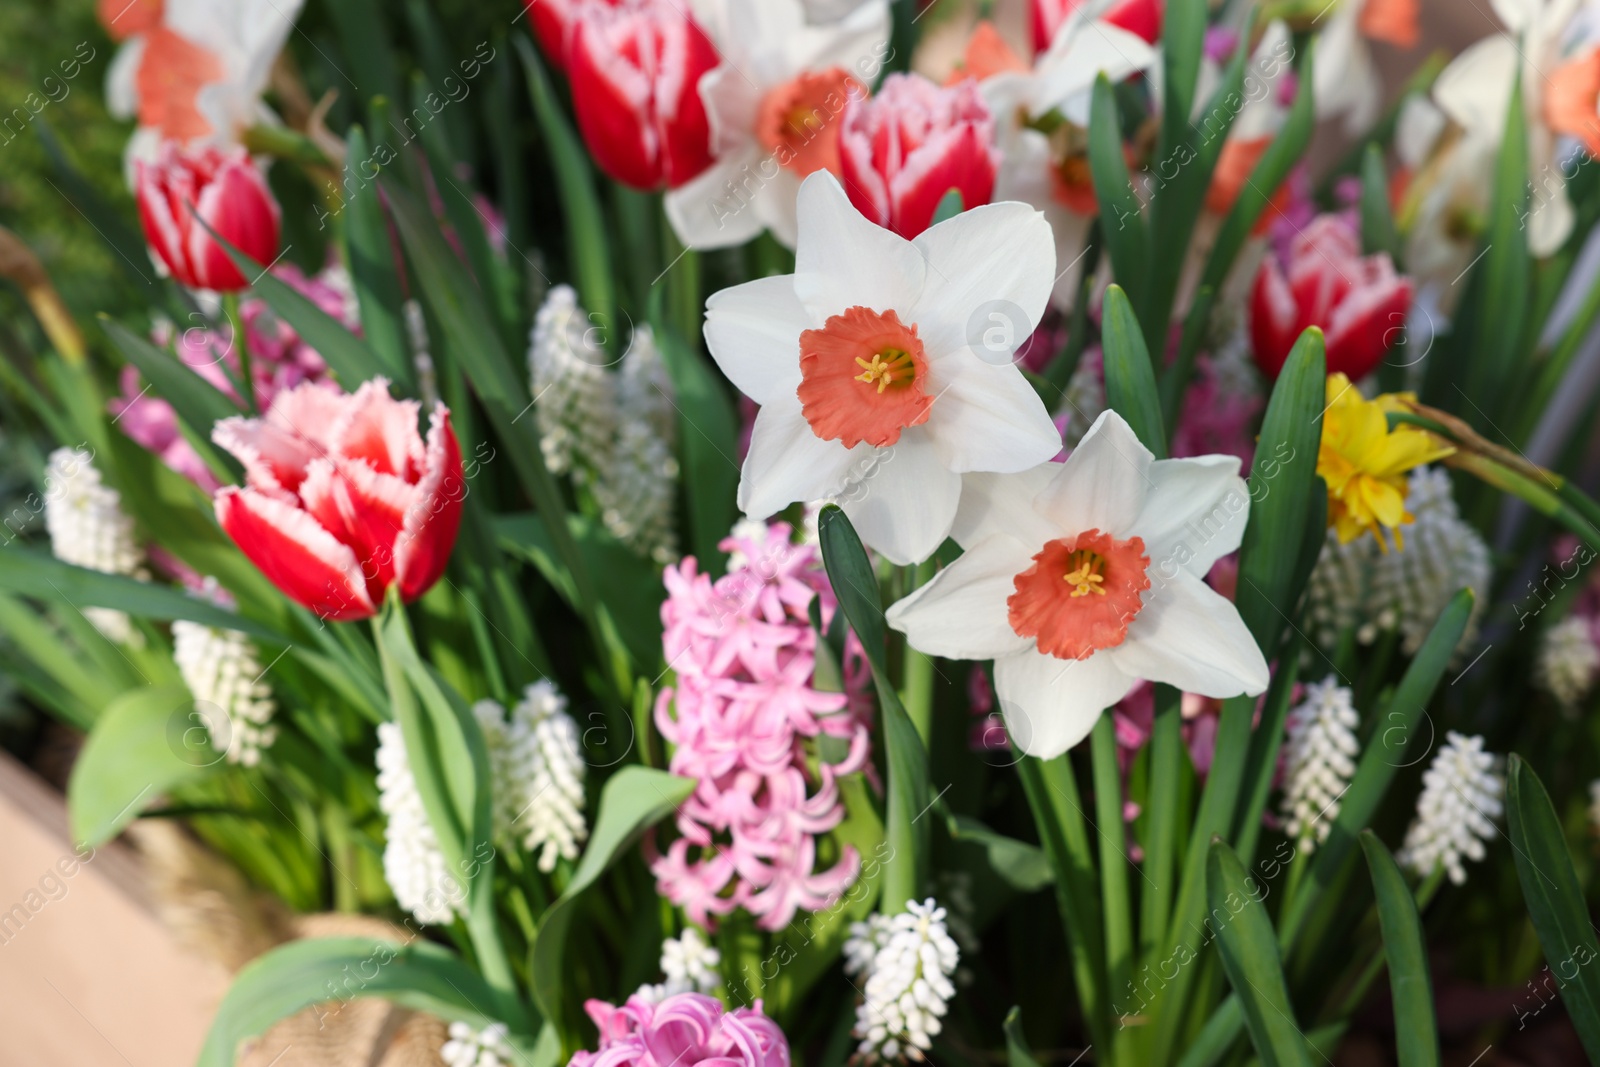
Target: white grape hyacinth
point(413, 863)
point(1461, 798)
point(1442, 555)
point(1567, 661)
point(224, 674)
point(1320, 758)
point(638, 483)
point(907, 961)
point(471, 1047)
point(688, 965)
point(574, 396)
point(536, 761)
point(88, 528)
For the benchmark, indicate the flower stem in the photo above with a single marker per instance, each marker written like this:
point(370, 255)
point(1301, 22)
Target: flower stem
point(916, 688)
point(247, 385)
point(1114, 865)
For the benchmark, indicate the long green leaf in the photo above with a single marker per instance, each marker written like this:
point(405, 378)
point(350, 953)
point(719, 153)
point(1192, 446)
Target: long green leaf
point(1406, 950)
point(1018, 1054)
point(331, 972)
point(145, 743)
point(1130, 376)
point(1021, 865)
point(708, 434)
point(634, 799)
point(1555, 900)
point(374, 274)
point(856, 586)
point(1250, 958)
point(1378, 232)
point(1122, 223)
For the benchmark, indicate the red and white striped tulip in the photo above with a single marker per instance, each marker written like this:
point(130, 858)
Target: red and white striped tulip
point(902, 150)
point(221, 187)
point(1142, 17)
point(1359, 301)
point(635, 70)
point(343, 498)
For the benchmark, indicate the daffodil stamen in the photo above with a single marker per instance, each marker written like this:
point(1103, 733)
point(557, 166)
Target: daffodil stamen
point(886, 371)
point(1087, 574)
point(893, 368)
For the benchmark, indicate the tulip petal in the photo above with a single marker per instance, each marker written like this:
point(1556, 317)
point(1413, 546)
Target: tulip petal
point(844, 260)
point(1194, 515)
point(1190, 636)
point(961, 613)
point(275, 458)
point(611, 98)
point(904, 504)
point(311, 566)
point(1102, 485)
point(434, 517)
point(363, 509)
point(375, 427)
point(753, 332)
point(1051, 704)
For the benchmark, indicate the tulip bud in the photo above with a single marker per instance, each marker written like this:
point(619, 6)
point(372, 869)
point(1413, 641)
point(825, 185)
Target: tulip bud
point(221, 188)
point(343, 498)
point(904, 149)
point(635, 71)
point(1359, 302)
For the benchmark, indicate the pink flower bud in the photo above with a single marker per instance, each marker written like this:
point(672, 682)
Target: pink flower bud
point(221, 188)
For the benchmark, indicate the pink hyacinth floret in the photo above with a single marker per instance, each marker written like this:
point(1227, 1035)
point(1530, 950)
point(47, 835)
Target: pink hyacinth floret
point(740, 719)
point(279, 361)
point(685, 1030)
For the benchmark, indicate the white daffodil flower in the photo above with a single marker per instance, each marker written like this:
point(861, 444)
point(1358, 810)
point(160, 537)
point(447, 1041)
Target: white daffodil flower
point(1346, 76)
point(883, 366)
point(1081, 578)
point(774, 104)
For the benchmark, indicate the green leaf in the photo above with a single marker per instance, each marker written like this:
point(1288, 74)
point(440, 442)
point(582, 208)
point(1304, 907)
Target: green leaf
point(331, 972)
point(634, 799)
point(1406, 950)
point(1017, 1052)
point(1378, 233)
point(1555, 900)
point(145, 743)
point(374, 274)
point(1022, 866)
point(1120, 219)
point(366, 46)
point(1130, 378)
point(708, 442)
point(33, 574)
point(1250, 959)
point(950, 205)
point(856, 586)
point(198, 403)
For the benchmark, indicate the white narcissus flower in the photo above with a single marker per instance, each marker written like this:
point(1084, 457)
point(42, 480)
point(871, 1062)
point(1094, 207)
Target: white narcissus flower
point(774, 105)
point(1347, 81)
point(1079, 579)
point(883, 366)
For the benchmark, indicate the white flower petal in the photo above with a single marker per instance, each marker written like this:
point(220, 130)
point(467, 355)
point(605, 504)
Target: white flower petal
point(1051, 704)
point(1475, 88)
point(1004, 503)
point(845, 261)
point(904, 502)
point(990, 271)
point(1102, 485)
point(1076, 57)
point(962, 613)
point(787, 462)
point(717, 209)
point(1191, 637)
point(753, 332)
point(1194, 515)
point(988, 418)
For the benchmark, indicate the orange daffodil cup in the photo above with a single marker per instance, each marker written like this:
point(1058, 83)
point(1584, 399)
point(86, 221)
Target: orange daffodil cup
point(872, 367)
point(1080, 579)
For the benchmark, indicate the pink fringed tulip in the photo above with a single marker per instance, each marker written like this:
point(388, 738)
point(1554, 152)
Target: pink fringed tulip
point(685, 1030)
point(221, 188)
point(343, 498)
point(904, 149)
point(1359, 301)
point(635, 69)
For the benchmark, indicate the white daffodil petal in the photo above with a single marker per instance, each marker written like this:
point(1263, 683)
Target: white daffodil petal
point(788, 463)
point(844, 261)
point(1195, 513)
point(753, 332)
point(962, 613)
point(704, 214)
point(1191, 637)
point(1003, 503)
point(904, 504)
point(989, 275)
point(1051, 704)
point(988, 418)
point(1102, 485)
point(1474, 89)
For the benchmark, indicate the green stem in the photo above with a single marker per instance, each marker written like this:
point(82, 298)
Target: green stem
point(1113, 868)
point(916, 691)
point(1160, 849)
point(247, 384)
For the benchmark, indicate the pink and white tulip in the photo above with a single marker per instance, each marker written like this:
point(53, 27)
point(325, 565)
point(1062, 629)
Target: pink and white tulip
point(343, 498)
point(222, 189)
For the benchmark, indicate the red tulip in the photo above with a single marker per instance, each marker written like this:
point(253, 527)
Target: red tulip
point(902, 150)
point(635, 70)
point(227, 192)
point(1142, 17)
point(343, 498)
point(1360, 302)
point(551, 19)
